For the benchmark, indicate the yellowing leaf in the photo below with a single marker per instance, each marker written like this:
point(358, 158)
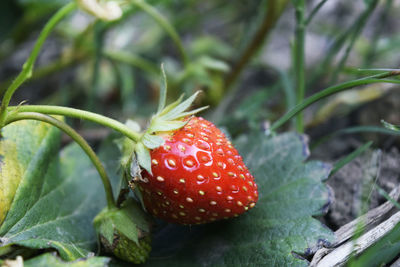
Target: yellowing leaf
point(20, 142)
point(10, 176)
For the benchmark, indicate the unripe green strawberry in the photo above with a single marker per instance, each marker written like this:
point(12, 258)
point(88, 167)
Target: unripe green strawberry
point(125, 232)
point(128, 250)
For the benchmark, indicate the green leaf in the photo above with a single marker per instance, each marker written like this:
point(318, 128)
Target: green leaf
point(26, 151)
point(172, 105)
point(175, 113)
point(165, 126)
point(192, 112)
point(130, 227)
point(152, 141)
point(163, 90)
point(105, 228)
point(129, 220)
point(49, 259)
point(57, 197)
point(143, 157)
point(281, 224)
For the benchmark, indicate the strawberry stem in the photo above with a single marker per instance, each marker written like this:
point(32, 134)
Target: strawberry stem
point(78, 139)
point(80, 114)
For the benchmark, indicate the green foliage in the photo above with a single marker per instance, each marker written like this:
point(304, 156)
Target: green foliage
point(125, 231)
point(57, 197)
point(143, 156)
point(280, 226)
point(129, 220)
point(26, 150)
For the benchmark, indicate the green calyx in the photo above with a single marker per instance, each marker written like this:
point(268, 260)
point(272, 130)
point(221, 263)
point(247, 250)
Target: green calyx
point(125, 231)
point(167, 119)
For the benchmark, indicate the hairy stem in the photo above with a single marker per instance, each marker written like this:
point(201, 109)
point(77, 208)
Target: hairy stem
point(77, 138)
point(80, 114)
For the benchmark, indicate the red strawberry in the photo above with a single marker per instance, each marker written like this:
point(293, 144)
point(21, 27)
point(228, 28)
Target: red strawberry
point(197, 177)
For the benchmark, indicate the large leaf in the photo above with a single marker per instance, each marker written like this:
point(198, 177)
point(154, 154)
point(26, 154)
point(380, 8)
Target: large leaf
point(56, 198)
point(276, 231)
point(49, 259)
point(27, 152)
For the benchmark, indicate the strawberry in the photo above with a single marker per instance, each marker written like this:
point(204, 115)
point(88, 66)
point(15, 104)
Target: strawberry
point(188, 172)
point(197, 176)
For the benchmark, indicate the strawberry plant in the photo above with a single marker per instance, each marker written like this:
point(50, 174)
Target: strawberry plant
point(205, 180)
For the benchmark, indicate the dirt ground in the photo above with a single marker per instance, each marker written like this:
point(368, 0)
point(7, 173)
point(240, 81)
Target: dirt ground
point(348, 183)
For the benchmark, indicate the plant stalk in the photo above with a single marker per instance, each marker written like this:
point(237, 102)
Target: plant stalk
point(78, 139)
point(80, 114)
point(299, 65)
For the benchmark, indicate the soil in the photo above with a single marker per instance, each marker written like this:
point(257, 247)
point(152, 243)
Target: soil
point(348, 183)
point(351, 185)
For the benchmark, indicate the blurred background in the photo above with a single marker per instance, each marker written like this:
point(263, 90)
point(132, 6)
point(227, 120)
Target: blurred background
point(239, 53)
